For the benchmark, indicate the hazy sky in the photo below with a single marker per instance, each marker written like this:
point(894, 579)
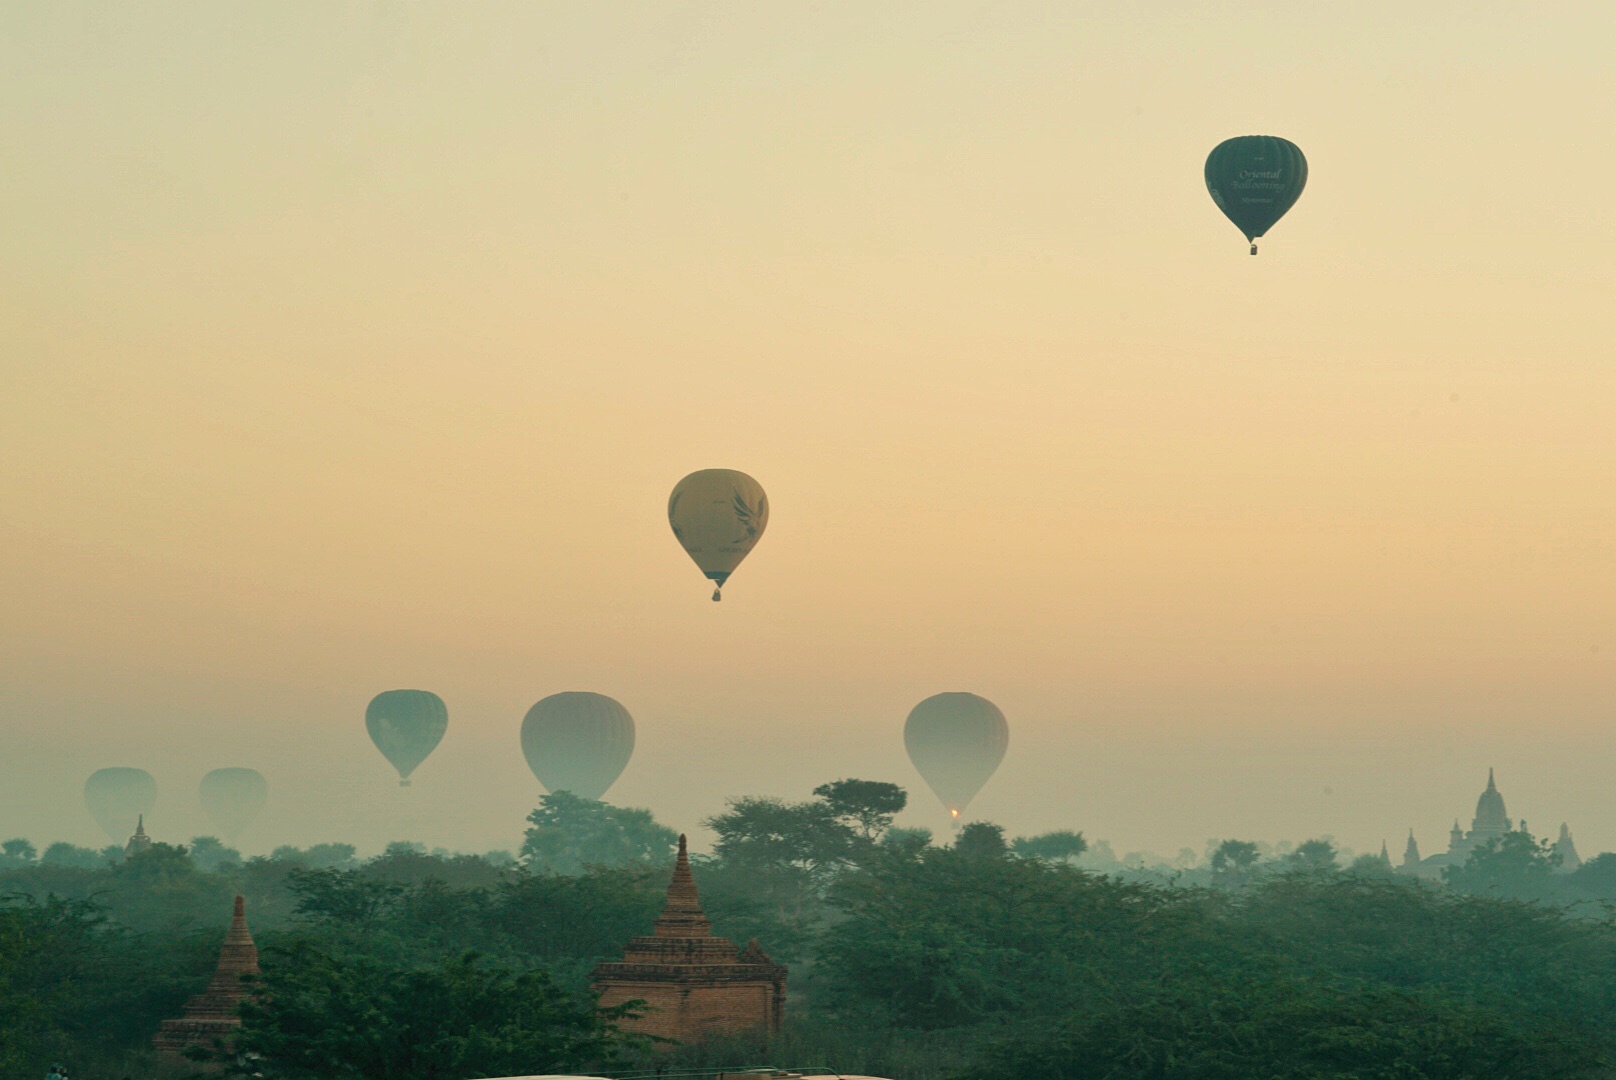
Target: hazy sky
point(354, 346)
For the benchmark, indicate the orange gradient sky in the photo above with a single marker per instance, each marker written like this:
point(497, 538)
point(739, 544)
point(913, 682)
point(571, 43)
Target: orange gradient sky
point(353, 346)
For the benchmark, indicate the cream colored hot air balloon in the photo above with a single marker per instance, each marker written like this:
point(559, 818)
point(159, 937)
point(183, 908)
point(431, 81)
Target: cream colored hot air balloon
point(717, 516)
point(956, 741)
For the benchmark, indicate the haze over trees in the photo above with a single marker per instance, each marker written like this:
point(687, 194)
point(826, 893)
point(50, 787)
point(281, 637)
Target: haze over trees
point(990, 957)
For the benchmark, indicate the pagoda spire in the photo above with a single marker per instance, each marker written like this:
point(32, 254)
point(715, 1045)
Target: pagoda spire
point(682, 915)
point(210, 1017)
point(693, 984)
point(140, 841)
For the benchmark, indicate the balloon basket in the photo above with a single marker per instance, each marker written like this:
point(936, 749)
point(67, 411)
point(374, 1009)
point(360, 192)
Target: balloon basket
point(403, 783)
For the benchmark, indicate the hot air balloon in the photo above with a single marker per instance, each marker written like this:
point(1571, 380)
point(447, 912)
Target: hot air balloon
point(232, 798)
point(578, 742)
point(717, 516)
point(117, 798)
point(406, 726)
point(1254, 179)
point(956, 741)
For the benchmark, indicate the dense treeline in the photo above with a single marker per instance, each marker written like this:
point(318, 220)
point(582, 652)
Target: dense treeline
point(984, 959)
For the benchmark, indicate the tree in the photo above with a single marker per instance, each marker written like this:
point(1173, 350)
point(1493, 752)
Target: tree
point(320, 1016)
point(1313, 855)
point(982, 840)
point(1062, 846)
point(571, 921)
point(1595, 878)
point(867, 806)
point(771, 835)
point(318, 856)
point(570, 833)
point(905, 843)
point(1233, 861)
point(161, 889)
point(18, 852)
point(75, 987)
point(65, 854)
point(1211, 1029)
point(211, 856)
point(947, 939)
point(1514, 865)
point(348, 897)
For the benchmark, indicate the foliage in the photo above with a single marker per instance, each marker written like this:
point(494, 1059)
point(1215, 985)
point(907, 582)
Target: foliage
point(907, 959)
point(1062, 846)
point(866, 806)
point(212, 856)
point(323, 1016)
point(80, 858)
point(570, 833)
point(1233, 863)
point(982, 840)
point(16, 853)
point(1313, 855)
point(73, 987)
point(317, 857)
point(1199, 1029)
point(1514, 865)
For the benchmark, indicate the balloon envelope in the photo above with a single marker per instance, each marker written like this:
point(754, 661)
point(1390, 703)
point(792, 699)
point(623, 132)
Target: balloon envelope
point(406, 726)
point(956, 741)
point(1254, 179)
point(232, 799)
point(717, 516)
point(578, 742)
point(117, 798)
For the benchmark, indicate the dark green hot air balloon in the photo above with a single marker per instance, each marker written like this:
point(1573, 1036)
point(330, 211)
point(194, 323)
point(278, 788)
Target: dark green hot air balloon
point(1254, 179)
point(406, 726)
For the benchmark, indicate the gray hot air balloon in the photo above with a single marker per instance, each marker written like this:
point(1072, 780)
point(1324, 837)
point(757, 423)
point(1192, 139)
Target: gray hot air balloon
point(406, 726)
point(232, 799)
point(956, 741)
point(117, 798)
point(717, 516)
point(578, 742)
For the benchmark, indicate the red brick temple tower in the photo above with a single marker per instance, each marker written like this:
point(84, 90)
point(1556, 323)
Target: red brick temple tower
point(211, 1015)
point(694, 984)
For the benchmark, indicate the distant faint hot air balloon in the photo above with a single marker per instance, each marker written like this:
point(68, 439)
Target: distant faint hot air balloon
point(1254, 179)
point(232, 799)
point(717, 516)
point(956, 741)
point(117, 798)
point(406, 726)
point(578, 742)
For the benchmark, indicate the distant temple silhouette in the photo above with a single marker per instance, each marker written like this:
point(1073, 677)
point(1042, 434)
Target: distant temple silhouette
point(694, 985)
point(1491, 823)
point(140, 841)
point(210, 1018)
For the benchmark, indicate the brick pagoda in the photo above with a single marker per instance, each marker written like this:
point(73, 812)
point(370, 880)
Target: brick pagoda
point(211, 1015)
point(694, 984)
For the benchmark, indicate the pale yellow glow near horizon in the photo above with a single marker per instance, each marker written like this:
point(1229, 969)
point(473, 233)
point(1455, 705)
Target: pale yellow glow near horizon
point(346, 347)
